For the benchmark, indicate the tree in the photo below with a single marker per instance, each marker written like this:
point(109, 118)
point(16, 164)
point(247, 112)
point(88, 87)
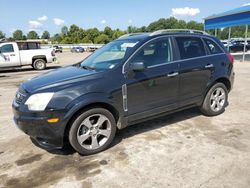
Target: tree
point(93, 33)
point(108, 31)
point(45, 35)
point(18, 35)
point(2, 35)
point(32, 35)
point(118, 33)
point(56, 38)
point(195, 25)
point(64, 30)
point(102, 39)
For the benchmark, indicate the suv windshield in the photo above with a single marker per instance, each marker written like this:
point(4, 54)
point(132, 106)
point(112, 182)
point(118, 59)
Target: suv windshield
point(109, 56)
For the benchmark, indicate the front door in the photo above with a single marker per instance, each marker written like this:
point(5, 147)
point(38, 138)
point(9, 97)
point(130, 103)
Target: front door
point(156, 88)
point(11, 58)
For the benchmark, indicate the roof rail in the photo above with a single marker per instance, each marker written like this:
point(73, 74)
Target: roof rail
point(178, 30)
point(130, 34)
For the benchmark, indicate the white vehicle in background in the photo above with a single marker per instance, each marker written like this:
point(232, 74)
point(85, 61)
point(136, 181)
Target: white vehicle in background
point(18, 54)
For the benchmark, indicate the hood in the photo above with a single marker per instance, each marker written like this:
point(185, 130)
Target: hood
point(58, 77)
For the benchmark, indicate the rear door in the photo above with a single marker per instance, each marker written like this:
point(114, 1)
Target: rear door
point(195, 69)
point(10, 54)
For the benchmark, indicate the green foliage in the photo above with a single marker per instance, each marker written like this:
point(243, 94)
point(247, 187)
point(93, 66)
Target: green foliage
point(64, 30)
point(102, 39)
point(2, 35)
point(18, 35)
point(74, 34)
point(32, 35)
point(45, 35)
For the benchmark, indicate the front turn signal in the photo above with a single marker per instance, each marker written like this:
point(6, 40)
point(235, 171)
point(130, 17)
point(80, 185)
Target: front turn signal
point(53, 120)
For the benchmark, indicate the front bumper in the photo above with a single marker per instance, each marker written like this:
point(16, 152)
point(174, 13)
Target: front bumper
point(47, 135)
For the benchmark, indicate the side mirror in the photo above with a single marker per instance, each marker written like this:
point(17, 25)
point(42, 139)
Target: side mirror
point(138, 66)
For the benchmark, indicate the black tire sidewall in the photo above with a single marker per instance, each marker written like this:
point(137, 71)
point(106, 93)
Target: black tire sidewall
point(206, 108)
point(35, 66)
point(77, 122)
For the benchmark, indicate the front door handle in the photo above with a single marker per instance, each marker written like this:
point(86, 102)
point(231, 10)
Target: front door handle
point(12, 55)
point(173, 74)
point(208, 66)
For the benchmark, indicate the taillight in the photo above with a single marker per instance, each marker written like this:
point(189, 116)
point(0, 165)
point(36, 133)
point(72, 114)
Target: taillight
point(230, 58)
point(53, 53)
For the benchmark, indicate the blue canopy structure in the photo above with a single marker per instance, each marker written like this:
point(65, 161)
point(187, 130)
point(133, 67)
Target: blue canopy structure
point(236, 17)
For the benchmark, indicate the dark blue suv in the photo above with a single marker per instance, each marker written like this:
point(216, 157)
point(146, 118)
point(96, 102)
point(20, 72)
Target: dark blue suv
point(133, 78)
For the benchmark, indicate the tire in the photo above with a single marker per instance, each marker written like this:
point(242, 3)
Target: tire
point(215, 100)
point(86, 134)
point(39, 64)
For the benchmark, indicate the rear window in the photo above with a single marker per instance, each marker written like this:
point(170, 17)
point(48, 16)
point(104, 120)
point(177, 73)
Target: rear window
point(22, 46)
point(28, 45)
point(32, 46)
point(212, 47)
point(190, 47)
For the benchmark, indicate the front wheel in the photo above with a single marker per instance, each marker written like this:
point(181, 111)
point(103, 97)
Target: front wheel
point(92, 131)
point(215, 100)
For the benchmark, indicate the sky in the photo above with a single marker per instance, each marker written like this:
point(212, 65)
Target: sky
point(51, 15)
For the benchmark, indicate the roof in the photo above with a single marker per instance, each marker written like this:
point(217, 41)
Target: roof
point(142, 36)
point(234, 17)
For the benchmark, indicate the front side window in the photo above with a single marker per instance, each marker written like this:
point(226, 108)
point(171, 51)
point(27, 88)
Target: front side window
point(212, 47)
point(109, 56)
point(190, 47)
point(155, 53)
point(7, 48)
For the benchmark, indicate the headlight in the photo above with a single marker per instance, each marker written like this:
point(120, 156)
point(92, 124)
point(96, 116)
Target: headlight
point(38, 102)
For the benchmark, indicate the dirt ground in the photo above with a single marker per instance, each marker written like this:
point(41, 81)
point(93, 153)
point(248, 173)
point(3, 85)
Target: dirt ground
point(185, 149)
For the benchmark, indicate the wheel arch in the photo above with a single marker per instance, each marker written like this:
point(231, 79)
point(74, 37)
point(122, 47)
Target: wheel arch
point(79, 110)
point(39, 57)
point(223, 80)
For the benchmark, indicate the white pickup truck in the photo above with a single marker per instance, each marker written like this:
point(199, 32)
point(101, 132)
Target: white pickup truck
point(17, 54)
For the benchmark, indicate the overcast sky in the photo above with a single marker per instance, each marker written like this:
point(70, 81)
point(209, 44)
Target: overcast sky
point(51, 15)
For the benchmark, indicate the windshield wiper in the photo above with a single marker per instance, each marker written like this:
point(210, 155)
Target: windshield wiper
point(87, 67)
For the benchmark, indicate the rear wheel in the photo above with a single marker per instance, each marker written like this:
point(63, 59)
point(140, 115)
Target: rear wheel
point(92, 131)
point(39, 64)
point(215, 100)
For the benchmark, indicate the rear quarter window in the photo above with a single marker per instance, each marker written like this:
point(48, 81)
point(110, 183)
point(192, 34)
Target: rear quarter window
point(190, 47)
point(212, 46)
point(32, 46)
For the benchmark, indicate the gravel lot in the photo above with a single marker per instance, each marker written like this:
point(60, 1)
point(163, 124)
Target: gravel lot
point(185, 149)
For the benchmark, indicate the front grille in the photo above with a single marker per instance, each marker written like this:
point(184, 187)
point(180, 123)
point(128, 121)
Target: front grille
point(20, 96)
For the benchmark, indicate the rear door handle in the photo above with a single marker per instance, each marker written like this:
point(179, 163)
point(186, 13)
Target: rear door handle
point(12, 55)
point(209, 66)
point(173, 74)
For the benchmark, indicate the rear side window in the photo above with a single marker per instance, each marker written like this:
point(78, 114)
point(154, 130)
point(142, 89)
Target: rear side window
point(22, 46)
point(190, 47)
point(212, 47)
point(8, 48)
point(32, 46)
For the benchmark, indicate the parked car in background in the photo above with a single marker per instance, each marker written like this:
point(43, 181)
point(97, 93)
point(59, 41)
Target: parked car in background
point(58, 49)
point(92, 49)
point(238, 46)
point(77, 49)
point(225, 43)
point(129, 80)
point(17, 54)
